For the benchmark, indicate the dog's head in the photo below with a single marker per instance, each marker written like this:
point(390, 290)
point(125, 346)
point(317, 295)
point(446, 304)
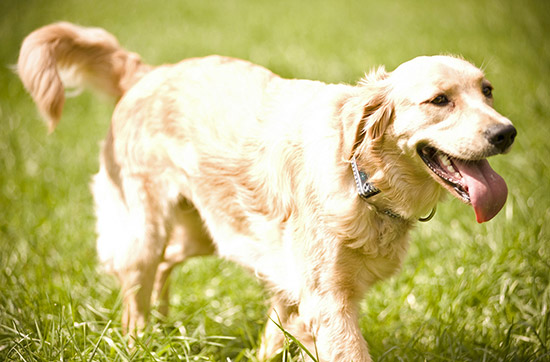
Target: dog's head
point(438, 112)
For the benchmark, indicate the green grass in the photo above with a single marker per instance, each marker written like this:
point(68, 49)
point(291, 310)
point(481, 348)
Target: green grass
point(467, 292)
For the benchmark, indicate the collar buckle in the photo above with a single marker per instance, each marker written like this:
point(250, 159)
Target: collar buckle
point(365, 189)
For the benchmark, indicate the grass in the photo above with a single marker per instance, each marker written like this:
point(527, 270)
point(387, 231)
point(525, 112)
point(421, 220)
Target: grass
point(467, 292)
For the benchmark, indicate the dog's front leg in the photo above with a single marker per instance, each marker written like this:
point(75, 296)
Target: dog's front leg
point(280, 316)
point(331, 326)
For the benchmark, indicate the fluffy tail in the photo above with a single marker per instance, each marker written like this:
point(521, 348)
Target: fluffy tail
point(64, 54)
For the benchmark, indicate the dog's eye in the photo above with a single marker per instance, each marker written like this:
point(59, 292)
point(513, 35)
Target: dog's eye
point(487, 91)
point(440, 100)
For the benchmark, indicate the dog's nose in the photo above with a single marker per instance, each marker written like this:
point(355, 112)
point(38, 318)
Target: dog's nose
point(501, 136)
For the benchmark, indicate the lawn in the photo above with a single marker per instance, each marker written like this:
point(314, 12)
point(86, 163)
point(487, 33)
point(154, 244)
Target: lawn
point(467, 292)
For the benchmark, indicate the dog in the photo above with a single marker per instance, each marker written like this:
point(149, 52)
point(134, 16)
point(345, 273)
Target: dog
point(312, 186)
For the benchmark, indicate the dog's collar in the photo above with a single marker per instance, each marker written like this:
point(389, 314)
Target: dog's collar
point(366, 189)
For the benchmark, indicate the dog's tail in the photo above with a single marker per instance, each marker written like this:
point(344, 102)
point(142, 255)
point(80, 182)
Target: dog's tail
point(66, 55)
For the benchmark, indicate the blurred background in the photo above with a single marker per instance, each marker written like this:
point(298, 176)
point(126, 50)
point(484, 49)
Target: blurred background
point(467, 292)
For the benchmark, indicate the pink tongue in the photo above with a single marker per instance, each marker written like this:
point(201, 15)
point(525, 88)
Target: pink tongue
point(487, 189)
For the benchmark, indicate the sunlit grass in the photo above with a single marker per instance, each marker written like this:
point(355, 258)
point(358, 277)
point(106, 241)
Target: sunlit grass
point(466, 292)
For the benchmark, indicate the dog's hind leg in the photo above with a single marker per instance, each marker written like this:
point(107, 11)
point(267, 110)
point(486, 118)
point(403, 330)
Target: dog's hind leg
point(187, 238)
point(137, 285)
point(149, 236)
point(131, 240)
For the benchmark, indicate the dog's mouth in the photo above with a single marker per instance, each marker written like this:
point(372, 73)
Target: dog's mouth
point(472, 181)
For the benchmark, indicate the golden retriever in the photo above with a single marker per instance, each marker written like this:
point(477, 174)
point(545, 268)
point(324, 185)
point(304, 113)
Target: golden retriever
point(312, 186)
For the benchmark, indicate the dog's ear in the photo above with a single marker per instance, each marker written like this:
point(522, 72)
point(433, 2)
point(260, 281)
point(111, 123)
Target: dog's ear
point(367, 113)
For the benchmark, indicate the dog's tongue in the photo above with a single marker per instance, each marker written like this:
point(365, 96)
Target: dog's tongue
point(487, 189)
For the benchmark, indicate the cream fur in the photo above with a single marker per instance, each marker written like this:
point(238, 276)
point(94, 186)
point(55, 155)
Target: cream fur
point(221, 155)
